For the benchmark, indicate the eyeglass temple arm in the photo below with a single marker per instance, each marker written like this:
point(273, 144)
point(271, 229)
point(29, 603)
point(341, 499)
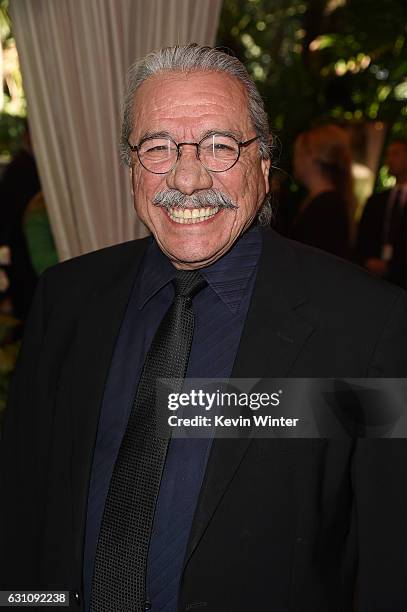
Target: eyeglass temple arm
point(132, 147)
point(247, 142)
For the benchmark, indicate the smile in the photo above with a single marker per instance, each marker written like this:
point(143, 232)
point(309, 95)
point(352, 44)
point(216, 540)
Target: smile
point(192, 215)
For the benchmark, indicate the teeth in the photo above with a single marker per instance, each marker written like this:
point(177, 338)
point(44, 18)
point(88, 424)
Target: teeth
point(194, 215)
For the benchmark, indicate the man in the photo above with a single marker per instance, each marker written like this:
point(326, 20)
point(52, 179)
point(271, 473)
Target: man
point(222, 525)
point(398, 268)
point(382, 219)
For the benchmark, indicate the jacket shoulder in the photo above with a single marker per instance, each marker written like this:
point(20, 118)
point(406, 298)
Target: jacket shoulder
point(69, 284)
point(98, 265)
point(338, 286)
point(342, 280)
point(359, 321)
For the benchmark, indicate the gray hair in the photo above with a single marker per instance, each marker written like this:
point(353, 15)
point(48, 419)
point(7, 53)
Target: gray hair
point(191, 58)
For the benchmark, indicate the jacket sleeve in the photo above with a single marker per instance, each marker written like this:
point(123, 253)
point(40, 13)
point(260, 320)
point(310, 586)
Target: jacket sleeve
point(19, 467)
point(380, 484)
point(389, 358)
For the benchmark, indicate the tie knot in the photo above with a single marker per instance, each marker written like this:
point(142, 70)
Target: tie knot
point(187, 283)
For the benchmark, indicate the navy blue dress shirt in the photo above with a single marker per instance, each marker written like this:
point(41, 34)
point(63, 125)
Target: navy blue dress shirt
point(220, 311)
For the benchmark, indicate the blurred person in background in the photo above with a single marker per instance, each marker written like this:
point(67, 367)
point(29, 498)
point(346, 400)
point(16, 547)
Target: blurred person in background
point(398, 268)
point(322, 163)
point(5, 301)
point(19, 184)
point(380, 228)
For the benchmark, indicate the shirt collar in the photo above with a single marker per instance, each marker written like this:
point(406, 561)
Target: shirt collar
point(228, 277)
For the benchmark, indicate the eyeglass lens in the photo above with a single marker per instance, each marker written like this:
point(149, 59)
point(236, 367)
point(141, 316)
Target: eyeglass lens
point(216, 152)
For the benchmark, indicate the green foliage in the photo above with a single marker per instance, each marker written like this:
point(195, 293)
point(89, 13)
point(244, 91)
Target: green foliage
point(11, 131)
point(12, 101)
point(317, 60)
point(5, 25)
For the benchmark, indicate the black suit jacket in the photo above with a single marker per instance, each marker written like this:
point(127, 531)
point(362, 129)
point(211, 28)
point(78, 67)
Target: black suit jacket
point(398, 268)
point(371, 227)
point(281, 524)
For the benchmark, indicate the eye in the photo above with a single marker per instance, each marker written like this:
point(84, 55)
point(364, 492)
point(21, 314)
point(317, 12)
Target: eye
point(156, 149)
point(221, 146)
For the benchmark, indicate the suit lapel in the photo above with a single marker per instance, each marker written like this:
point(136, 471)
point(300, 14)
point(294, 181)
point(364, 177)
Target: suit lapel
point(273, 335)
point(96, 337)
point(274, 331)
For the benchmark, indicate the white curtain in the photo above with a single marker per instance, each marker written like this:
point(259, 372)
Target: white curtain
point(74, 55)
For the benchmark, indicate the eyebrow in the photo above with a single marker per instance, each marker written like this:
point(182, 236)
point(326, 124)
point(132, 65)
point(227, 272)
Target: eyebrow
point(152, 134)
point(232, 133)
point(165, 134)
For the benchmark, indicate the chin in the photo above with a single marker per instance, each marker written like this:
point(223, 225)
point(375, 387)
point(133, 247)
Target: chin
point(196, 257)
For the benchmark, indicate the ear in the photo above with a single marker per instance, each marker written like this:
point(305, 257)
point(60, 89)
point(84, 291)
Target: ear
point(265, 168)
point(131, 180)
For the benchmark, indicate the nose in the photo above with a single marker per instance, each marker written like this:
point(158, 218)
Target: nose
point(188, 174)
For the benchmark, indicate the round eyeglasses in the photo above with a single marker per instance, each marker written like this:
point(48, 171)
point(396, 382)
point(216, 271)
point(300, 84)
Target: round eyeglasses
point(217, 152)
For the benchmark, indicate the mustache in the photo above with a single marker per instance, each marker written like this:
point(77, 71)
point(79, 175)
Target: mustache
point(172, 198)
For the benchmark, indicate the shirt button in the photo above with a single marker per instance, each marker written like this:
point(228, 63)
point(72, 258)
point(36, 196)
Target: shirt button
point(147, 604)
point(76, 597)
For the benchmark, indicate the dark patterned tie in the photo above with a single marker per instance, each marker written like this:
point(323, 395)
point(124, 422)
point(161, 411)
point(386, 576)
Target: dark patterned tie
point(121, 557)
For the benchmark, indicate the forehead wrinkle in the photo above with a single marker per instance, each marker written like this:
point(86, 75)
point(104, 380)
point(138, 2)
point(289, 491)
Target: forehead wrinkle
point(217, 101)
point(210, 83)
point(191, 103)
point(171, 109)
